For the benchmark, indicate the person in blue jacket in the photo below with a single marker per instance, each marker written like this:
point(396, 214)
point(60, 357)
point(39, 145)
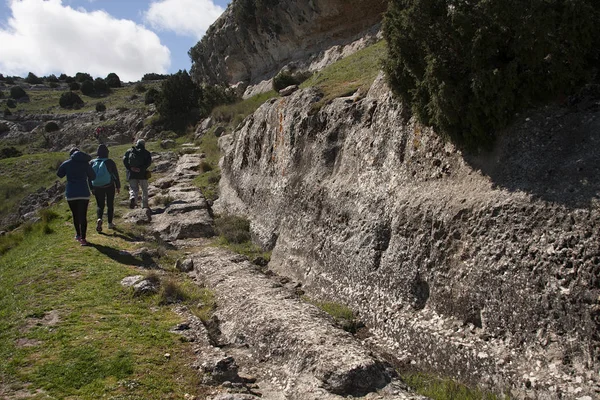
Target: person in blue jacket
point(78, 170)
point(104, 186)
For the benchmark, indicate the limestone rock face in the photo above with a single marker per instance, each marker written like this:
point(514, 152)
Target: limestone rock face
point(485, 268)
point(286, 33)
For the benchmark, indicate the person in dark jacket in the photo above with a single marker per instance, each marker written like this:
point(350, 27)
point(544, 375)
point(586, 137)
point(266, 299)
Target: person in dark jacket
point(103, 191)
point(137, 160)
point(78, 171)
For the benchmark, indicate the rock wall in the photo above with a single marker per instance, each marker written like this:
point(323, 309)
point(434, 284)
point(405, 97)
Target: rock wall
point(485, 268)
point(286, 33)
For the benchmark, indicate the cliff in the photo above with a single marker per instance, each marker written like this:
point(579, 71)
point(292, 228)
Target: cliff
point(253, 40)
point(485, 268)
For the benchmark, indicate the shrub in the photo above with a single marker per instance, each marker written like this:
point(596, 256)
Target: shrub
point(9, 80)
point(151, 96)
point(7, 113)
point(9, 152)
point(286, 78)
point(51, 126)
point(466, 67)
point(69, 79)
point(11, 103)
point(1, 94)
point(140, 88)
point(82, 77)
point(113, 80)
point(87, 88)
point(74, 86)
point(33, 79)
point(53, 85)
point(100, 107)
point(69, 99)
point(233, 229)
point(51, 78)
point(214, 96)
point(179, 97)
point(171, 293)
point(63, 77)
point(154, 77)
point(100, 85)
point(17, 92)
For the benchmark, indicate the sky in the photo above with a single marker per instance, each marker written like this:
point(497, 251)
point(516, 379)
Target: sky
point(127, 37)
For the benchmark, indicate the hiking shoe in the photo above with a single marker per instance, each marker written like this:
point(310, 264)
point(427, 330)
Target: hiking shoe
point(111, 226)
point(99, 225)
point(77, 237)
point(83, 242)
point(132, 203)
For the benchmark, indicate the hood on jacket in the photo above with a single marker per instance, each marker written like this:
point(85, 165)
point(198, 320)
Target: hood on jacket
point(80, 156)
point(140, 144)
point(102, 151)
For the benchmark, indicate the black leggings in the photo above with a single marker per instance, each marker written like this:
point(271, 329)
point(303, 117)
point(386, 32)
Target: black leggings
point(79, 210)
point(105, 193)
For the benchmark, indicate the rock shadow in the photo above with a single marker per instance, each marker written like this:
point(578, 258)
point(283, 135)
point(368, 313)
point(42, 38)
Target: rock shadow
point(551, 154)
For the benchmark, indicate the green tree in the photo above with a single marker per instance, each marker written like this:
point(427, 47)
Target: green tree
point(69, 99)
point(179, 98)
point(151, 96)
point(33, 79)
point(113, 80)
point(466, 67)
point(17, 92)
point(87, 88)
point(100, 85)
point(83, 76)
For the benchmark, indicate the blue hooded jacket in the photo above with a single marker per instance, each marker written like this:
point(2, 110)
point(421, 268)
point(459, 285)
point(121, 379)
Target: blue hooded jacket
point(78, 171)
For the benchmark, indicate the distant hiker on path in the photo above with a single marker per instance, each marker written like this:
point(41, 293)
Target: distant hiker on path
point(78, 171)
point(104, 186)
point(137, 160)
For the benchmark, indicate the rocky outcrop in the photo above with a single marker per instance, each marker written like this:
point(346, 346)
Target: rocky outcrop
point(485, 268)
point(243, 46)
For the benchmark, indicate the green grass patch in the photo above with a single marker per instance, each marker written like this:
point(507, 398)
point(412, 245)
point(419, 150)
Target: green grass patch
point(210, 174)
point(438, 388)
point(346, 76)
point(235, 113)
point(68, 328)
point(342, 314)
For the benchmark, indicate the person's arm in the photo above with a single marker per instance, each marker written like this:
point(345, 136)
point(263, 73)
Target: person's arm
point(62, 170)
point(112, 168)
point(126, 160)
point(90, 173)
point(148, 160)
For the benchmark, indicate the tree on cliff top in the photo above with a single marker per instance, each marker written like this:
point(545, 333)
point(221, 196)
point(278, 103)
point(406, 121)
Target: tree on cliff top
point(466, 67)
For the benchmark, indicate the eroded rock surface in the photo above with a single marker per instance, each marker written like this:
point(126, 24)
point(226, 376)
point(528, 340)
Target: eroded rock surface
point(483, 268)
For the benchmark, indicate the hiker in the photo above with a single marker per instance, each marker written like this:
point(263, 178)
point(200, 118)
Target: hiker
point(104, 186)
point(78, 170)
point(137, 160)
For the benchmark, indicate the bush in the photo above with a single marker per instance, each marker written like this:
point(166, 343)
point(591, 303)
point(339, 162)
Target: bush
point(100, 85)
point(17, 92)
point(1, 94)
point(9, 152)
point(74, 86)
point(32, 79)
point(70, 99)
point(82, 77)
point(51, 126)
point(214, 96)
point(466, 68)
point(7, 113)
point(151, 96)
point(113, 80)
point(154, 77)
point(53, 85)
point(87, 88)
point(233, 229)
point(140, 88)
point(286, 78)
point(179, 97)
point(11, 103)
point(51, 78)
point(100, 107)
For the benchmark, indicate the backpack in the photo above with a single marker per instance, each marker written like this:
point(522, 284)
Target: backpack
point(136, 158)
point(103, 177)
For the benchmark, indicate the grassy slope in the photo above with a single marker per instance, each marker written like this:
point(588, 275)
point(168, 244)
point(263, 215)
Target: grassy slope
point(106, 342)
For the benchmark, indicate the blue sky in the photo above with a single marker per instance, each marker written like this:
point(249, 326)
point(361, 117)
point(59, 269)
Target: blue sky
point(128, 37)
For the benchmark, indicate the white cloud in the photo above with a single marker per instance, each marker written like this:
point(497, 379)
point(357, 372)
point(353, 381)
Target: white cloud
point(184, 17)
point(45, 36)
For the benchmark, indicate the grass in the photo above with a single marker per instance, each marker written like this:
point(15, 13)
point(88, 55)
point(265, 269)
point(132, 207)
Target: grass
point(208, 179)
point(103, 342)
point(46, 101)
point(445, 389)
point(233, 114)
point(357, 71)
point(343, 315)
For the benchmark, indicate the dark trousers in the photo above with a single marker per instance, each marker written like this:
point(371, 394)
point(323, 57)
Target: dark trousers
point(105, 194)
point(79, 210)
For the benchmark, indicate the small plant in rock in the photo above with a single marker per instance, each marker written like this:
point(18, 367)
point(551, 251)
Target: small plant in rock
point(233, 229)
point(151, 96)
point(51, 126)
point(17, 92)
point(205, 166)
point(163, 199)
point(287, 78)
point(69, 99)
point(171, 293)
point(100, 107)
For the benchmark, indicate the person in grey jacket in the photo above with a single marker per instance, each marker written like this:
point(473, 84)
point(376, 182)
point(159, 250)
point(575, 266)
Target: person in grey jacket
point(104, 190)
point(137, 160)
point(78, 170)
